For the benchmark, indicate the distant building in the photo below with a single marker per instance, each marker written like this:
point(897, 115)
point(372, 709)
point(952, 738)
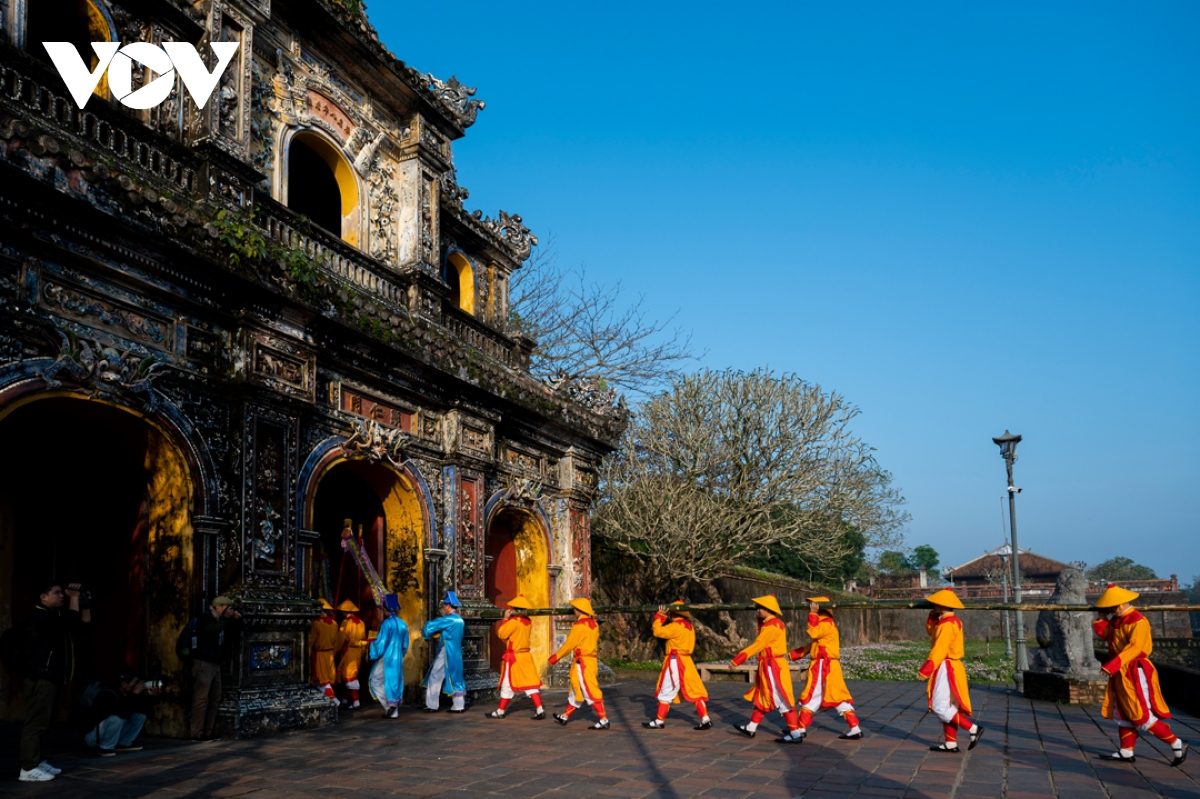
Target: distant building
point(986, 570)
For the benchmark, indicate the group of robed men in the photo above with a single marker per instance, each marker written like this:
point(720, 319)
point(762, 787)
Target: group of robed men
point(338, 650)
point(1132, 697)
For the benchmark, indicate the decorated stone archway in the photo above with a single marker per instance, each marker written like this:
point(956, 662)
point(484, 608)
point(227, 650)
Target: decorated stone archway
point(107, 490)
point(388, 504)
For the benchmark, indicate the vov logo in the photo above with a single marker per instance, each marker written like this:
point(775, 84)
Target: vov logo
point(167, 60)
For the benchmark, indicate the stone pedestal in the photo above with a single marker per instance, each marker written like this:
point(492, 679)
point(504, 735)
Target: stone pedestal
point(1064, 688)
point(250, 712)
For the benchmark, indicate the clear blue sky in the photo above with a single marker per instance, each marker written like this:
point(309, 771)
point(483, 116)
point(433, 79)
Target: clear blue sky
point(963, 219)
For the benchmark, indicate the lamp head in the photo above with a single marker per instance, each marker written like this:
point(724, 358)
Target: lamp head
point(1008, 445)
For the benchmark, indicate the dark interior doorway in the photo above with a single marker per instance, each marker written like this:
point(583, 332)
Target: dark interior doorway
point(74, 487)
point(62, 21)
point(312, 187)
point(342, 494)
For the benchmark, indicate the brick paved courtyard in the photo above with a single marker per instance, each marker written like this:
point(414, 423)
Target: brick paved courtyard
point(1031, 749)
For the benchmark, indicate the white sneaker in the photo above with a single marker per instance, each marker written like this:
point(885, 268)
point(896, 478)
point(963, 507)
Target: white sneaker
point(35, 775)
point(49, 769)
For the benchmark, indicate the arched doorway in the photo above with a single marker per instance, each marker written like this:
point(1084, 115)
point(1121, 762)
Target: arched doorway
point(96, 494)
point(384, 504)
point(79, 22)
point(321, 185)
point(517, 564)
point(460, 275)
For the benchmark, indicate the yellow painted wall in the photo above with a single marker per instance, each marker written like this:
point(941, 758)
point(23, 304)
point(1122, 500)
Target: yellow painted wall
point(533, 580)
point(460, 266)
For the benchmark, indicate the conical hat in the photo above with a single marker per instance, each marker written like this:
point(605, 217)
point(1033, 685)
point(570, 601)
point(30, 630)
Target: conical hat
point(583, 605)
point(519, 602)
point(769, 602)
point(1113, 596)
point(945, 598)
point(817, 599)
point(325, 604)
point(348, 606)
point(680, 612)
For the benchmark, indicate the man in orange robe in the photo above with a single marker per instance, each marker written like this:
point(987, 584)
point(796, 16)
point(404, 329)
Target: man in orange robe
point(581, 644)
point(353, 637)
point(825, 687)
point(773, 684)
point(949, 699)
point(517, 671)
point(1133, 696)
point(323, 640)
point(678, 675)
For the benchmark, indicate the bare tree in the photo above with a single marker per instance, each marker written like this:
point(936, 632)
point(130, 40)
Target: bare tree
point(726, 465)
point(589, 331)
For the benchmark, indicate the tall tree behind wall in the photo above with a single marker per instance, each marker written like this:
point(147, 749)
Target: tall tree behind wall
point(729, 465)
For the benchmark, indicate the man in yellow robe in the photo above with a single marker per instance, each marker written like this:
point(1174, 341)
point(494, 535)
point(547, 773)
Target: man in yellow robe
point(825, 687)
point(678, 675)
point(1133, 696)
point(581, 645)
point(517, 670)
point(323, 642)
point(946, 678)
point(353, 637)
point(773, 683)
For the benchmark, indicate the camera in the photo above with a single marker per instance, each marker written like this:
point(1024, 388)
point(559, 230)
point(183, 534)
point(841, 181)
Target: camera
point(153, 685)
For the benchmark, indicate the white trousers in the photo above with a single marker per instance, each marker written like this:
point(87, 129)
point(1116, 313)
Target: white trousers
point(433, 688)
point(506, 690)
point(572, 699)
point(1151, 719)
point(379, 684)
point(672, 681)
point(818, 696)
point(781, 703)
point(943, 697)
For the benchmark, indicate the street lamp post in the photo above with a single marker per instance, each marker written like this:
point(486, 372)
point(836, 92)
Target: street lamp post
point(1008, 450)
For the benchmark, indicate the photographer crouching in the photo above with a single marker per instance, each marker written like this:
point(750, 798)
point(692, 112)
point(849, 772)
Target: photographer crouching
point(116, 713)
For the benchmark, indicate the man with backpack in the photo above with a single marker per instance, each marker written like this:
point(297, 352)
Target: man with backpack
point(211, 636)
point(49, 658)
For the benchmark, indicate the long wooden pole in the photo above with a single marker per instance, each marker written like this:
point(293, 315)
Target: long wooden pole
point(914, 604)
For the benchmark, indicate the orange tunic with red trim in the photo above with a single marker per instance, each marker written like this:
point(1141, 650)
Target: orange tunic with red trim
point(681, 642)
point(824, 651)
point(1129, 646)
point(772, 650)
point(517, 662)
point(323, 641)
point(353, 636)
point(947, 637)
point(581, 643)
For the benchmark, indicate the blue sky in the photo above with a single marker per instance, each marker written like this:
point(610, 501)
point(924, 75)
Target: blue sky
point(963, 219)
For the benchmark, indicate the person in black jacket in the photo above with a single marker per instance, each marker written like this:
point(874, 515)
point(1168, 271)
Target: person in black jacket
point(212, 645)
point(51, 660)
point(116, 715)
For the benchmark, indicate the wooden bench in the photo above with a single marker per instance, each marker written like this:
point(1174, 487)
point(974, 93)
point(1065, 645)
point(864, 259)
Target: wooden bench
point(724, 671)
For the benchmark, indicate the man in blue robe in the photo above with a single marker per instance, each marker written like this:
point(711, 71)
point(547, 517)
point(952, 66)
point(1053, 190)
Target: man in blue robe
point(388, 651)
point(446, 668)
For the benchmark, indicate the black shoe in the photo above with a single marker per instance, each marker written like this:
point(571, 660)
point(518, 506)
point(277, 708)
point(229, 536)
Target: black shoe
point(106, 753)
point(496, 714)
point(561, 719)
point(975, 736)
point(653, 725)
point(855, 737)
point(452, 710)
point(539, 716)
point(748, 733)
point(943, 748)
point(704, 725)
point(393, 713)
point(130, 748)
point(1181, 755)
point(1118, 757)
point(792, 738)
point(602, 724)
point(431, 709)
